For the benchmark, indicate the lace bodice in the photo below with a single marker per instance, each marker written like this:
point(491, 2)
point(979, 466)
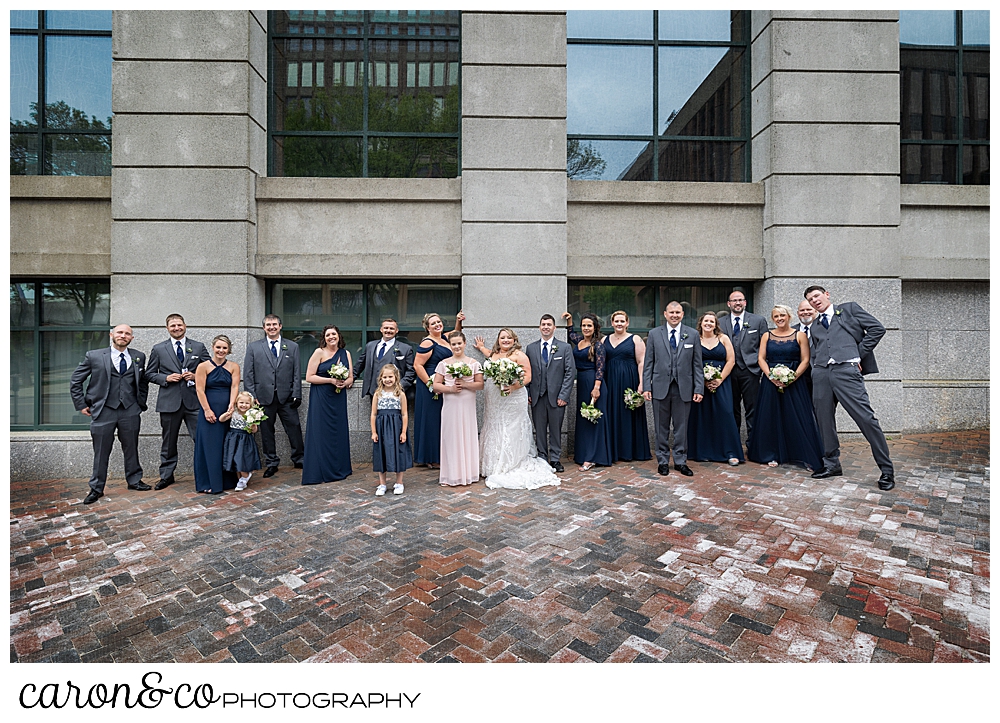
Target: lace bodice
point(237, 421)
point(388, 400)
point(582, 356)
point(507, 455)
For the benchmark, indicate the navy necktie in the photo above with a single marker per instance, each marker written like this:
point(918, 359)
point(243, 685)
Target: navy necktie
point(381, 351)
point(122, 366)
point(736, 328)
point(545, 352)
point(673, 340)
point(180, 354)
point(274, 348)
point(824, 321)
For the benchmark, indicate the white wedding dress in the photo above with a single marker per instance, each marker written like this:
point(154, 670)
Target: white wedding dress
point(507, 455)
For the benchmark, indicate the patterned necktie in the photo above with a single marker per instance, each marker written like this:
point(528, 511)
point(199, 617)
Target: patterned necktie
point(122, 366)
point(673, 340)
point(545, 352)
point(274, 348)
point(736, 328)
point(180, 354)
point(824, 321)
point(381, 351)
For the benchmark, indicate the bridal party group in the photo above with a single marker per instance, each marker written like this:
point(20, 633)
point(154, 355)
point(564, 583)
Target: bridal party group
point(783, 382)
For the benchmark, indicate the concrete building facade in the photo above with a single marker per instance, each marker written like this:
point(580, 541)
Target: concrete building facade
point(190, 222)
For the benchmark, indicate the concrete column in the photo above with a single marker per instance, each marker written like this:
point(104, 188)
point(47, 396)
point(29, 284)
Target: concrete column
point(826, 146)
point(189, 140)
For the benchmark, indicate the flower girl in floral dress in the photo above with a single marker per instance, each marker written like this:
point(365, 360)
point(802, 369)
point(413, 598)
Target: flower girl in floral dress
point(390, 450)
point(239, 451)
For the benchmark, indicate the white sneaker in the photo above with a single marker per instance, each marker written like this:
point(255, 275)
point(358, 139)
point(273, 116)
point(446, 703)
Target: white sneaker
point(397, 489)
point(380, 491)
point(242, 484)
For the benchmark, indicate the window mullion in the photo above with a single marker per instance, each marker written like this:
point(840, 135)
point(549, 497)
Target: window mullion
point(364, 92)
point(960, 110)
point(655, 170)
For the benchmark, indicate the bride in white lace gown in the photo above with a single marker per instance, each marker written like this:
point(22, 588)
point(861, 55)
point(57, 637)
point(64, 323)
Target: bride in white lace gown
point(507, 456)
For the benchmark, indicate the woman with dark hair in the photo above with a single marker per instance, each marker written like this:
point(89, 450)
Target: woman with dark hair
point(217, 383)
point(712, 431)
point(592, 444)
point(427, 404)
point(328, 440)
point(625, 355)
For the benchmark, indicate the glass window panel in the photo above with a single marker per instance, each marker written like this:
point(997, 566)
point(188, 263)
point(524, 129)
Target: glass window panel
point(975, 27)
point(22, 304)
point(635, 300)
point(307, 73)
point(303, 156)
point(976, 94)
point(312, 306)
point(701, 91)
point(696, 300)
point(413, 157)
point(710, 161)
point(610, 24)
point(927, 27)
point(695, 25)
point(604, 160)
point(24, 19)
point(78, 19)
point(78, 83)
point(76, 303)
point(976, 165)
point(407, 303)
point(928, 94)
point(319, 74)
point(22, 377)
point(922, 163)
point(23, 154)
point(293, 75)
point(62, 351)
point(74, 154)
point(609, 90)
point(23, 82)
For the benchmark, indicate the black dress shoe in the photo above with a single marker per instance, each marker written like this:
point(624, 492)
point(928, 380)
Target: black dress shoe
point(663, 469)
point(557, 466)
point(297, 465)
point(140, 486)
point(886, 482)
point(92, 497)
point(164, 483)
point(269, 472)
point(684, 470)
point(828, 472)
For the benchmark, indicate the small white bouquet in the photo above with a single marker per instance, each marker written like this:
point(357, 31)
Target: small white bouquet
point(633, 400)
point(254, 415)
point(589, 412)
point(712, 372)
point(781, 373)
point(504, 373)
point(459, 370)
point(430, 388)
point(339, 371)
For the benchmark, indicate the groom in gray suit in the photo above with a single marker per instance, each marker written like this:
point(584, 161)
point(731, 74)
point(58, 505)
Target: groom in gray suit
point(171, 368)
point(115, 397)
point(552, 373)
point(842, 342)
point(673, 377)
point(387, 350)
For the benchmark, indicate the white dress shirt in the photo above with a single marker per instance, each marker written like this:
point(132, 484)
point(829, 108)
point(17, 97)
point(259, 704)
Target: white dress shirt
point(276, 347)
point(388, 346)
point(116, 358)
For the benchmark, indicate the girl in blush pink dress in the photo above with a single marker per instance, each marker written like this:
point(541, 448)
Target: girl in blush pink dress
point(459, 434)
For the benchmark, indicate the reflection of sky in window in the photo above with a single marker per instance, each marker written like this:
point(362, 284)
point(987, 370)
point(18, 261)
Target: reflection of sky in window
point(927, 27)
point(609, 90)
point(24, 18)
point(976, 27)
point(617, 155)
point(620, 24)
point(78, 19)
point(682, 71)
point(78, 71)
point(23, 76)
point(694, 24)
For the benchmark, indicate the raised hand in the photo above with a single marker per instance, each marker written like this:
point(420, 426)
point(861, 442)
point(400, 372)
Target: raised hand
point(567, 316)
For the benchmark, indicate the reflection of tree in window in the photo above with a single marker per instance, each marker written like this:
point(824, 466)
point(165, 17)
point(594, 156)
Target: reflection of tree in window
point(583, 160)
point(68, 154)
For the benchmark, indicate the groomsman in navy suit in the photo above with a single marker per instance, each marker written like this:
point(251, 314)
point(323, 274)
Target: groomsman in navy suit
point(842, 342)
point(745, 330)
point(171, 368)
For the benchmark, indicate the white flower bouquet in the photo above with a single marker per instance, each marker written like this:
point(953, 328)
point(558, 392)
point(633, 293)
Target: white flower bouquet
point(430, 388)
point(339, 371)
point(459, 370)
point(712, 372)
point(254, 415)
point(633, 400)
point(589, 412)
point(781, 373)
point(503, 372)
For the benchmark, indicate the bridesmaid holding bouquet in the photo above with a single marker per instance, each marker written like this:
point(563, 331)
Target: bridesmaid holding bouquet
point(459, 430)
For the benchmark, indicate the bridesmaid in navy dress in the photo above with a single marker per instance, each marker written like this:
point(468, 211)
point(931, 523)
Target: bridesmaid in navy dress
point(712, 432)
point(593, 440)
point(427, 410)
point(625, 354)
point(217, 382)
point(328, 440)
point(785, 428)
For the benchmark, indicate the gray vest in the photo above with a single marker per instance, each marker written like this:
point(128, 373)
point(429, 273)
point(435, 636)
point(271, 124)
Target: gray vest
point(122, 392)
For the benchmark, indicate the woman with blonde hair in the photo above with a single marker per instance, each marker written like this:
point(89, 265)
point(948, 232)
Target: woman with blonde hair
point(217, 384)
point(427, 404)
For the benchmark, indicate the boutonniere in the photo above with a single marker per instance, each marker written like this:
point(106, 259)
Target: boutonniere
point(554, 348)
point(189, 351)
point(837, 312)
point(284, 347)
point(684, 336)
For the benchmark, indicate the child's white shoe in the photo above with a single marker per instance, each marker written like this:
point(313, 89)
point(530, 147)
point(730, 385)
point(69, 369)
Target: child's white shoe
point(397, 489)
point(242, 484)
point(380, 491)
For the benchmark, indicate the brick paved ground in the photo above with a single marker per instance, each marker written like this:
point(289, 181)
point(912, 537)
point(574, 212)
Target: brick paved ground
point(616, 565)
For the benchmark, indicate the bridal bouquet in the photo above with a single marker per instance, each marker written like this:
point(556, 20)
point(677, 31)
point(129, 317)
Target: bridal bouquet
point(459, 370)
point(712, 372)
point(633, 400)
point(430, 388)
point(589, 412)
point(503, 372)
point(339, 371)
point(781, 373)
point(254, 415)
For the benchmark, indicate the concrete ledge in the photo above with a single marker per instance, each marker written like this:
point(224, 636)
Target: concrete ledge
point(946, 384)
point(932, 269)
point(359, 189)
point(75, 187)
point(915, 194)
point(666, 192)
point(56, 264)
point(656, 268)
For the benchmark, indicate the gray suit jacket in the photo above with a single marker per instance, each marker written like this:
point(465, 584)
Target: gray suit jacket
point(97, 366)
point(401, 356)
point(752, 328)
point(269, 379)
point(853, 333)
point(684, 366)
point(555, 380)
point(163, 362)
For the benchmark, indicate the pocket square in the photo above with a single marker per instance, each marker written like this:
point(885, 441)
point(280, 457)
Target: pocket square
point(751, 331)
point(689, 346)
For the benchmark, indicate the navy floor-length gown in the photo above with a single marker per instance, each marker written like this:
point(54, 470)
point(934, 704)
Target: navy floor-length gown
point(327, 455)
point(593, 440)
point(784, 427)
point(627, 428)
point(210, 439)
point(427, 409)
point(712, 432)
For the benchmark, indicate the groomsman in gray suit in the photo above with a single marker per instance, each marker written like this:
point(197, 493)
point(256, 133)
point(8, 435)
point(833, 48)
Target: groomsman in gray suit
point(745, 330)
point(115, 397)
point(807, 315)
point(673, 377)
point(552, 373)
point(271, 373)
point(387, 350)
point(171, 368)
point(842, 341)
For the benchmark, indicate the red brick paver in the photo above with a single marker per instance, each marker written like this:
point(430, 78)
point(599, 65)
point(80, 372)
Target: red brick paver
point(617, 565)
